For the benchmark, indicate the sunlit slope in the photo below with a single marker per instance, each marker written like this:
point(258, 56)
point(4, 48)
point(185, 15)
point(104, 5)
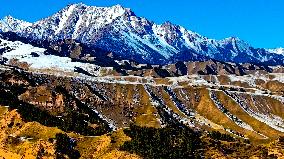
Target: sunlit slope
point(238, 105)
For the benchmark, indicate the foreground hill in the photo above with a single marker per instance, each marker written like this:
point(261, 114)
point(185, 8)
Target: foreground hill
point(41, 107)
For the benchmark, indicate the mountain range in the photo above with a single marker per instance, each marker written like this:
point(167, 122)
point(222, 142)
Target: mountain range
point(118, 30)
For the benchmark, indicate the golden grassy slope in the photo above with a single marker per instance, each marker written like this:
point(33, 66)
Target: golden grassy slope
point(258, 126)
point(21, 139)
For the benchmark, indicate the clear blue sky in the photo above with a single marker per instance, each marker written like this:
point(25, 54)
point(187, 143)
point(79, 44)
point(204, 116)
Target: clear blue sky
point(259, 22)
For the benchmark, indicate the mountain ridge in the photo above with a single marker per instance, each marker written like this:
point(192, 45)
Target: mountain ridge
point(119, 30)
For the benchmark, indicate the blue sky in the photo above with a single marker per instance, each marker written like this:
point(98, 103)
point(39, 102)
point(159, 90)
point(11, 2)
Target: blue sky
point(259, 22)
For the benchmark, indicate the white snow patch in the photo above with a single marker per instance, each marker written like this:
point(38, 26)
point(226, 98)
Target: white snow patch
point(22, 52)
point(64, 18)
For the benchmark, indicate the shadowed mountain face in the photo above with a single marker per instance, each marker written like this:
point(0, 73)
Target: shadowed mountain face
point(118, 30)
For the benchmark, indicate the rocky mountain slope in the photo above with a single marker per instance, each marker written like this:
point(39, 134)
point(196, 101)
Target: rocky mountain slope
point(118, 30)
point(68, 55)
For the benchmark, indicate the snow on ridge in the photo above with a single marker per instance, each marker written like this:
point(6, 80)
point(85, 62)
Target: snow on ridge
point(162, 41)
point(76, 30)
point(232, 117)
point(279, 51)
point(246, 79)
point(278, 77)
point(271, 120)
point(23, 52)
point(159, 103)
point(64, 18)
point(10, 23)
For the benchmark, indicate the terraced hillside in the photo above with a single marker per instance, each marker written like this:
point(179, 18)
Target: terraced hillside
point(249, 108)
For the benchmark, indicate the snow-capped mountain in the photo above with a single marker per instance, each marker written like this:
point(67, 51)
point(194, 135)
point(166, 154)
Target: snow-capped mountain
point(119, 30)
point(279, 51)
point(9, 23)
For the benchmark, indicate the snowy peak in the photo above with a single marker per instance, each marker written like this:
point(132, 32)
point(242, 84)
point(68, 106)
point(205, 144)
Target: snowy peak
point(81, 8)
point(75, 21)
point(279, 51)
point(236, 43)
point(105, 14)
point(9, 23)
